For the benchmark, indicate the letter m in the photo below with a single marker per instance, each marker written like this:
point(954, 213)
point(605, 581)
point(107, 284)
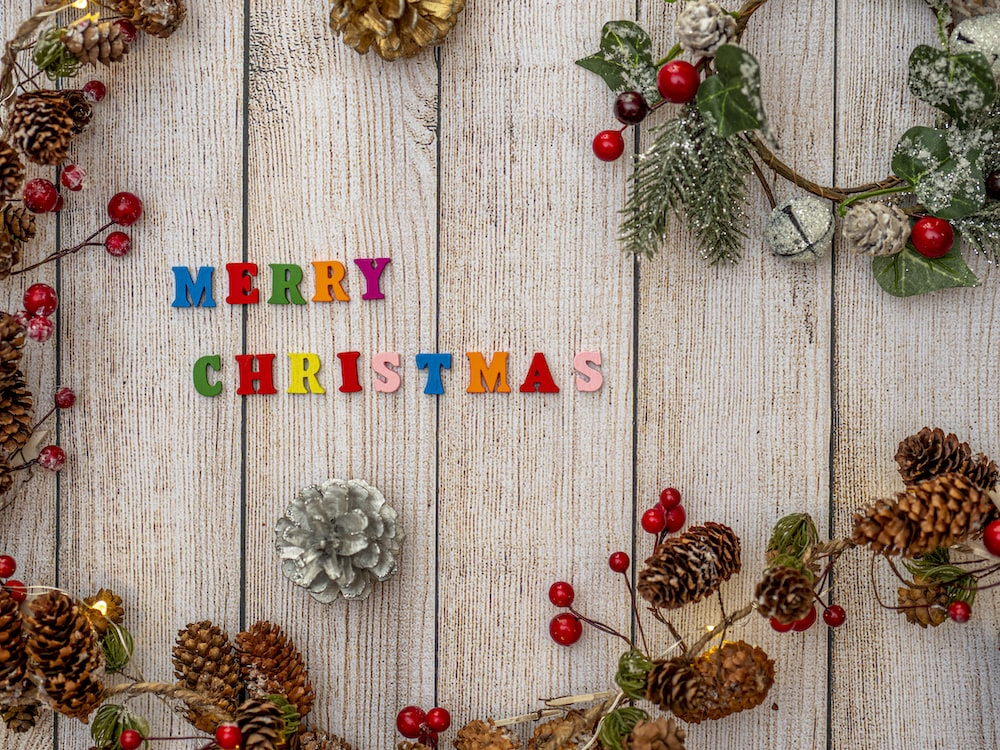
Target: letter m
point(188, 291)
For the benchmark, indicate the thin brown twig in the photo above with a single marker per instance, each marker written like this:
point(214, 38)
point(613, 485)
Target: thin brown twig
point(191, 698)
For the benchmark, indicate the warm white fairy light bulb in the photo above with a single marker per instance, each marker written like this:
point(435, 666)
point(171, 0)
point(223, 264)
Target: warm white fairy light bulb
point(100, 605)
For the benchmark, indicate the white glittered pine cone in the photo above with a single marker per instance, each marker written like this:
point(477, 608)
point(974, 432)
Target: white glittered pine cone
point(337, 538)
point(876, 229)
point(704, 26)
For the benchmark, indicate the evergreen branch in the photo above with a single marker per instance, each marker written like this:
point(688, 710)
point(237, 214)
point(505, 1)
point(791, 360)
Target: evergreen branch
point(696, 176)
point(981, 230)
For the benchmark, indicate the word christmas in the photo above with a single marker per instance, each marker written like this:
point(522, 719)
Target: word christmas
point(255, 372)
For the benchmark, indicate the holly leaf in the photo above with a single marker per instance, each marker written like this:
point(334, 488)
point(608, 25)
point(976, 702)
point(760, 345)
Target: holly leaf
point(730, 99)
point(625, 60)
point(909, 273)
point(949, 182)
point(959, 85)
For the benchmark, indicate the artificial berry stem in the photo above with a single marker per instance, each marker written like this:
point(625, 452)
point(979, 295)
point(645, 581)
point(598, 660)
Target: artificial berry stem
point(635, 610)
point(597, 625)
point(67, 251)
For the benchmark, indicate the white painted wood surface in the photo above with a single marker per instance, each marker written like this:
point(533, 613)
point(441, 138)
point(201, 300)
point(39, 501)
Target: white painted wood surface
point(757, 389)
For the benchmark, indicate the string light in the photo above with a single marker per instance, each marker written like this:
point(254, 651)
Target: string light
point(80, 4)
point(100, 605)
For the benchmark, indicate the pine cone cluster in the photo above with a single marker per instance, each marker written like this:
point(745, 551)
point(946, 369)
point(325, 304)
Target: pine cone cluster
point(204, 661)
point(394, 28)
point(785, 593)
point(736, 677)
point(270, 663)
point(93, 42)
point(924, 603)
point(689, 567)
point(931, 453)
point(935, 513)
point(261, 724)
point(159, 18)
point(42, 124)
point(876, 229)
point(480, 735)
point(661, 734)
point(11, 171)
point(64, 655)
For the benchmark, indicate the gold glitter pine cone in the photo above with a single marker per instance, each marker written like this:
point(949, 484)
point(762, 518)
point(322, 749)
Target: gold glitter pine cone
point(924, 604)
point(93, 42)
point(687, 568)
point(480, 735)
point(394, 28)
point(11, 171)
point(936, 513)
point(261, 724)
point(159, 18)
point(736, 677)
point(661, 734)
point(784, 593)
point(204, 661)
point(270, 663)
point(15, 414)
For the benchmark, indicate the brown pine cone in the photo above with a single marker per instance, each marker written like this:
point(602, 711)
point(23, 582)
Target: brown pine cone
point(92, 43)
point(930, 453)
point(11, 171)
point(479, 735)
point(675, 686)
point(314, 739)
point(13, 657)
point(936, 513)
point(79, 109)
point(981, 470)
point(204, 661)
point(394, 28)
point(689, 567)
point(20, 719)
point(662, 734)
point(15, 414)
point(11, 344)
point(63, 653)
point(159, 18)
point(108, 609)
point(736, 677)
point(270, 663)
point(785, 593)
point(42, 126)
point(924, 604)
point(6, 474)
point(10, 254)
point(18, 222)
point(406, 745)
point(261, 724)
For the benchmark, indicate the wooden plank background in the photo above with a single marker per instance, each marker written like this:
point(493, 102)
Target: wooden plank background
point(757, 389)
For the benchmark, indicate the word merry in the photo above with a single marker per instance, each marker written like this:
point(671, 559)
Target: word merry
point(255, 373)
point(197, 291)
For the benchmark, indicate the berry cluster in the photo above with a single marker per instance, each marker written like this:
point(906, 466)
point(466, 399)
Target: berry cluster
point(666, 517)
point(416, 724)
point(833, 615)
point(227, 737)
point(17, 590)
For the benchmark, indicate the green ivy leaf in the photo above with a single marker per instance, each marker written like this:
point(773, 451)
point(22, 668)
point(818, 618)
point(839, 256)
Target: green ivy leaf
point(948, 181)
point(730, 99)
point(959, 85)
point(909, 273)
point(618, 724)
point(625, 60)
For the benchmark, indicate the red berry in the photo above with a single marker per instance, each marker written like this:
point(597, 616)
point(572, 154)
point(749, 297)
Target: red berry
point(17, 590)
point(128, 29)
point(780, 626)
point(72, 177)
point(609, 145)
point(806, 622)
point(561, 594)
point(40, 299)
point(619, 562)
point(675, 519)
point(631, 108)
point(130, 740)
point(65, 398)
point(834, 616)
point(7, 566)
point(95, 91)
point(438, 719)
point(991, 538)
point(40, 328)
point(40, 196)
point(23, 318)
point(654, 520)
point(52, 457)
point(932, 237)
point(678, 81)
point(959, 611)
point(228, 736)
point(118, 244)
point(670, 498)
point(565, 629)
point(59, 205)
point(409, 722)
point(125, 209)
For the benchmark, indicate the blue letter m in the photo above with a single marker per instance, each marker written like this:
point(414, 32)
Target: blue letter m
point(197, 291)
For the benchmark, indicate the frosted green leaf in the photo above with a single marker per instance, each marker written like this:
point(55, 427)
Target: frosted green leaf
point(959, 85)
point(944, 169)
point(730, 100)
point(909, 273)
point(625, 60)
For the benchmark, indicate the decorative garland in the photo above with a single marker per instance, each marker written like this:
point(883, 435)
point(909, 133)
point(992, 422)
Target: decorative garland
point(698, 167)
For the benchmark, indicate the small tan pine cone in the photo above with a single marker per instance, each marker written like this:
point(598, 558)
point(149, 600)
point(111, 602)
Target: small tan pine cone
point(784, 593)
point(11, 171)
point(93, 42)
point(204, 661)
point(703, 26)
point(261, 724)
point(876, 229)
point(924, 604)
point(18, 222)
point(159, 18)
point(20, 719)
point(661, 734)
point(480, 735)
